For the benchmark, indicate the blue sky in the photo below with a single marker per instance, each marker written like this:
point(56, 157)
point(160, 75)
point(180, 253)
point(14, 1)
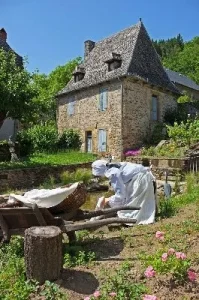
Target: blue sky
point(51, 32)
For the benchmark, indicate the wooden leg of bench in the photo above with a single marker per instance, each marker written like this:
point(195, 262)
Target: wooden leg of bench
point(71, 236)
point(5, 229)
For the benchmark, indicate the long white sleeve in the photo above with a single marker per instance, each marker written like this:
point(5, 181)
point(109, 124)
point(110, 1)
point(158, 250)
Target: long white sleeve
point(118, 186)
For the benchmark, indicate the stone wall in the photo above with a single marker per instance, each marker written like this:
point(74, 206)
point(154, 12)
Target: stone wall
point(137, 122)
point(29, 178)
point(174, 166)
point(88, 117)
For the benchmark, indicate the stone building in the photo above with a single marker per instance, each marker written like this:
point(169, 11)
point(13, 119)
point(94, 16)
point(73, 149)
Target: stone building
point(117, 94)
point(184, 84)
point(8, 126)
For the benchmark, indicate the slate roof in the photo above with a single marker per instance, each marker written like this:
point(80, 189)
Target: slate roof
point(139, 59)
point(181, 79)
point(6, 47)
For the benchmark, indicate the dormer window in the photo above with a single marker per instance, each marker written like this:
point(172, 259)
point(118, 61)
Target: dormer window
point(114, 62)
point(78, 73)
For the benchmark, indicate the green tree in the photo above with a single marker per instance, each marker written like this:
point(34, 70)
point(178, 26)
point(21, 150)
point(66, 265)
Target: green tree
point(16, 88)
point(186, 61)
point(48, 86)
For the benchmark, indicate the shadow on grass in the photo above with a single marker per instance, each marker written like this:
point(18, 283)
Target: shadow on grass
point(79, 281)
point(106, 248)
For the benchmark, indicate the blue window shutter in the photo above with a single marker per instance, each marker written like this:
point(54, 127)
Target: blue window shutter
point(102, 140)
point(154, 108)
point(105, 99)
point(71, 107)
point(101, 100)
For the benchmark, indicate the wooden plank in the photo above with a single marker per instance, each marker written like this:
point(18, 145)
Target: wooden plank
point(103, 212)
point(16, 211)
point(4, 228)
point(97, 223)
point(38, 215)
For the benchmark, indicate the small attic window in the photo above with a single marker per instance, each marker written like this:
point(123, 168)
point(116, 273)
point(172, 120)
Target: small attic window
point(78, 74)
point(114, 62)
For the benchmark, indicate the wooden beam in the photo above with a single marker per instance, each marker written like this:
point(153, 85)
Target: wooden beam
point(38, 215)
point(97, 223)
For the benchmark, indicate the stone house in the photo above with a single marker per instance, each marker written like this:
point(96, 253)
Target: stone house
point(9, 126)
point(184, 84)
point(117, 94)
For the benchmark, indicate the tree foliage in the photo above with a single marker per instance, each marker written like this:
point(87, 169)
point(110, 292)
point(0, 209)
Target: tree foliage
point(48, 86)
point(180, 56)
point(16, 88)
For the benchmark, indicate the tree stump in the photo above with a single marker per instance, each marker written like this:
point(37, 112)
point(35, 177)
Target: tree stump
point(43, 253)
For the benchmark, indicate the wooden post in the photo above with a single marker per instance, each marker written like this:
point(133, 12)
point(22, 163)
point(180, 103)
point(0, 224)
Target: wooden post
point(43, 253)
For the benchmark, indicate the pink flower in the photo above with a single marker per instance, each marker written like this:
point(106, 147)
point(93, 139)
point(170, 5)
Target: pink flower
point(96, 294)
point(112, 294)
point(180, 255)
point(150, 272)
point(171, 251)
point(150, 297)
point(192, 275)
point(87, 298)
point(160, 235)
point(164, 256)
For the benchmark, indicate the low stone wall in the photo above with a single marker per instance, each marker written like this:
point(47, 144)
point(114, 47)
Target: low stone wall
point(174, 166)
point(29, 178)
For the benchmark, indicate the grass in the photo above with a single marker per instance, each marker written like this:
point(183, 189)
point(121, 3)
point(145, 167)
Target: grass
point(13, 282)
point(125, 275)
point(50, 159)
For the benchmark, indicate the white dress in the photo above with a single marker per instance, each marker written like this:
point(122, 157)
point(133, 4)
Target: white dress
point(133, 186)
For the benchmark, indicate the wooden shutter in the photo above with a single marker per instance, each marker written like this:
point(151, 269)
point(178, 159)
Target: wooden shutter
point(103, 99)
point(154, 108)
point(102, 140)
point(71, 107)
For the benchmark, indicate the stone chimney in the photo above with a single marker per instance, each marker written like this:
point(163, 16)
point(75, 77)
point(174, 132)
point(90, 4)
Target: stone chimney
point(88, 47)
point(3, 34)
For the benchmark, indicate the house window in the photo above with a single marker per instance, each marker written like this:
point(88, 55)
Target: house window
point(103, 99)
point(114, 65)
point(102, 140)
point(71, 107)
point(154, 108)
point(78, 77)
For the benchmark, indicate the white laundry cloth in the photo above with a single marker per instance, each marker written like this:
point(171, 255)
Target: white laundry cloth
point(45, 198)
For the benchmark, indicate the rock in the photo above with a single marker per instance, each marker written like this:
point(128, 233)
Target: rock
point(162, 143)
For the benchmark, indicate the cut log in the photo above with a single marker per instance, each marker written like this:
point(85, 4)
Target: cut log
point(43, 253)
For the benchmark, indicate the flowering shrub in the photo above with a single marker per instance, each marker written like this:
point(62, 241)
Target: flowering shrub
point(160, 235)
point(118, 286)
point(171, 261)
point(135, 152)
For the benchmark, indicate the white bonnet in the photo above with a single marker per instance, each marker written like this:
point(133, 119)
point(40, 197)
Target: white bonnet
point(99, 167)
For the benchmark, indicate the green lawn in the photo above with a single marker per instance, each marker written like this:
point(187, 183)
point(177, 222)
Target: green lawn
point(60, 158)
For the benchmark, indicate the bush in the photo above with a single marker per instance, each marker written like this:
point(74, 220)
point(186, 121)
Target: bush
point(187, 132)
point(69, 139)
point(159, 133)
point(25, 142)
point(43, 138)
